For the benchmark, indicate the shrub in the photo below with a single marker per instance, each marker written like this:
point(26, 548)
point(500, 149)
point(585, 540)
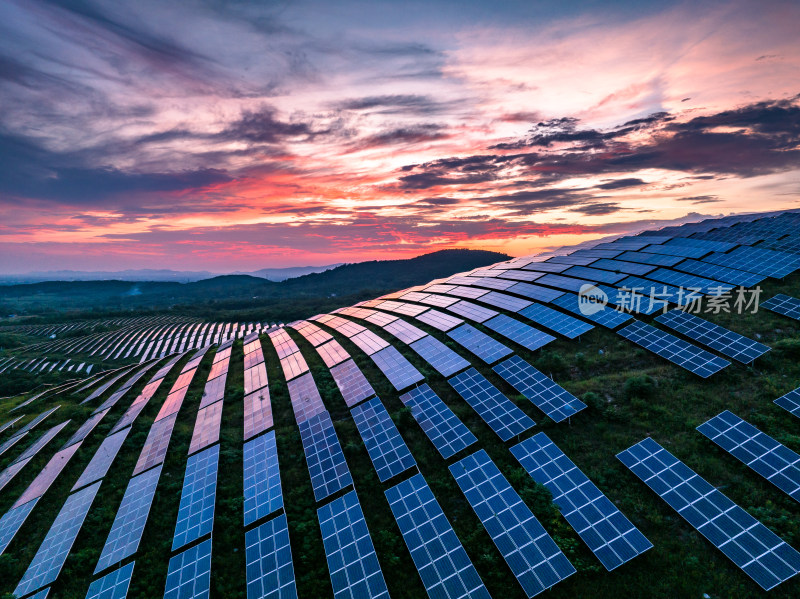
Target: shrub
point(641, 386)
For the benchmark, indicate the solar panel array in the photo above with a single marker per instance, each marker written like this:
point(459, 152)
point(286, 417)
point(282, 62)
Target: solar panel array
point(324, 457)
point(535, 560)
point(352, 383)
point(732, 276)
point(438, 355)
point(519, 332)
point(262, 478)
point(189, 573)
point(389, 453)
point(196, 509)
point(352, 563)
point(763, 454)
point(447, 433)
point(759, 552)
point(305, 397)
point(499, 412)
point(764, 262)
point(607, 317)
point(607, 532)
point(718, 338)
point(546, 394)
point(113, 585)
point(784, 305)
point(790, 402)
point(270, 572)
point(677, 351)
point(440, 559)
point(479, 343)
point(400, 372)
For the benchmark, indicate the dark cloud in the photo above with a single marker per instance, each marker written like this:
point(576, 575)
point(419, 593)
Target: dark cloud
point(705, 199)
point(262, 126)
point(598, 209)
point(395, 103)
point(622, 183)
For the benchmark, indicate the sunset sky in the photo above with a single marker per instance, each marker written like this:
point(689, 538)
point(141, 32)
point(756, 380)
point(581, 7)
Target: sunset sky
point(235, 135)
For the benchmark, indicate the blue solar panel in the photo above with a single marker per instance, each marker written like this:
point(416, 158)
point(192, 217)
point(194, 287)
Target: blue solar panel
point(554, 320)
point(112, 586)
point(387, 450)
point(708, 245)
point(784, 305)
point(635, 299)
point(765, 262)
point(536, 292)
point(622, 266)
point(594, 274)
point(12, 521)
point(270, 572)
point(607, 316)
point(438, 355)
point(199, 493)
point(324, 457)
point(189, 573)
point(790, 402)
point(550, 398)
point(504, 301)
point(534, 558)
point(772, 460)
point(519, 332)
point(677, 351)
point(448, 434)
point(671, 249)
point(690, 282)
point(400, 372)
point(499, 412)
point(607, 532)
point(711, 335)
point(352, 563)
point(486, 348)
point(646, 258)
point(262, 478)
point(721, 273)
point(759, 552)
point(440, 559)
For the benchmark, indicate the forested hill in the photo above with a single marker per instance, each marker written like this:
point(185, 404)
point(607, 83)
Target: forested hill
point(347, 280)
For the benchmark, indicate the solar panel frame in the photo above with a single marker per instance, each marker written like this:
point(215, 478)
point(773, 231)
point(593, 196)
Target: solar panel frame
point(352, 383)
point(155, 447)
point(332, 353)
point(400, 372)
point(103, 458)
point(494, 408)
point(305, 397)
point(442, 427)
point(369, 342)
point(270, 571)
point(520, 333)
point(561, 323)
point(733, 276)
point(438, 355)
point(606, 531)
point(535, 560)
point(326, 462)
point(263, 493)
point(784, 305)
point(479, 343)
point(113, 585)
point(13, 520)
point(189, 573)
point(790, 402)
point(404, 331)
point(198, 497)
point(386, 448)
point(439, 320)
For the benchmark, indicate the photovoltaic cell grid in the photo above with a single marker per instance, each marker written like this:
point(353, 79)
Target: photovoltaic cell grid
point(772, 460)
point(332, 353)
point(305, 397)
point(155, 447)
point(283, 344)
point(766, 262)
point(447, 433)
point(206, 427)
point(324, 457)
point(479, 343)
point(438, 355)
point(472, 311)
point(677, 351)
point(400, 372)
point(784, 305)
point(13, 520)
point(112, 586)
point(189, 573)
point(544, 393)
point(519, 332)
point(352, 563)
point(270, 573)
point(721, 273)
point(536, 292)
point(257, 413)
point(262, 478)
point(711, 335)
point(126, 531)
point(293, 366)
point(196, 509)
point(607, 532)
point(790, 402)
point(554, 320)
point(690, 282)
point(648, 258)
point(102, 459)
point(53, 551)
point(622, 266)
point(352, 383)
point(594, 274)
point(47, 475)
point(534, 558)
point(505, 301)
point(499, 412)
point(440, 559)
point(439, 320)
point(404, 331)
point(759, 552)
point(369, 342)
point(389, 453)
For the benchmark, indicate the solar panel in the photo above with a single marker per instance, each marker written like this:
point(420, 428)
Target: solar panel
point(262, 478)
point(13, 520)
point(594, 274)
point(172, 404)
point(687, 281)
point(257, 413)
point(440, 559)
point(607, 532)
point(293, 366)
point(404, 331)
point(352, 563)
point(549, 397)
point(790, 402)
point(759, 552)
point(48, 474)
point(332, 353)
point(479, 343)
point(649, 258)
point(206, 427)
point(283, 343)
point(196, 509)
point(270, 573)
point(102, 459)
point(447, 433)
point(505, 301)
point(313, 334)
point(466, 291)
point(352, 383)
point(126, 531)
point(578, 260)
point(387, 450)
point(546, 266)
point(402, 308)
point(784, 305)
point(711, 335)
point(438, 355)
point(535, 560)
point(557, 321)
point(349, 328)
point(732, 276)
point(381, 319)
point(709, 246)
point(324, 457)
point(559, 282)
point(499, 412)
point(519, 332)
point(763, 454)
point(400, 372)
point(520, 275)
point(305, 397)
point(112, 586)
point(677, 351)
point(671, 249)
point(766, 262)
point(53, 551)
point(369, 342)
point(189, 573)
point(42, 441)
point(439, 320)
point(623, 266)
point(155, 448)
